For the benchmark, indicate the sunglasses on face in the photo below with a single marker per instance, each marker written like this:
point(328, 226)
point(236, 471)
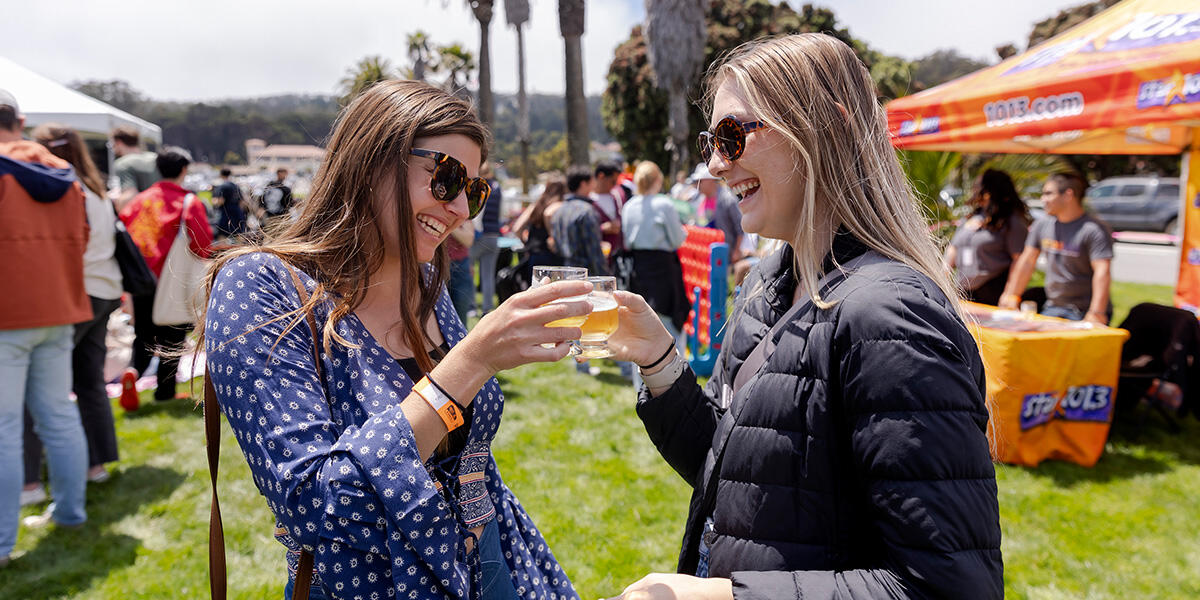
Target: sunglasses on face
point(450, 179)
point(729, 137)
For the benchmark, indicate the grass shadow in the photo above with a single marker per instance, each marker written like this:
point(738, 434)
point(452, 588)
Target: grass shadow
point(613, 378)
point(67, 560)
point(1110, 467)
point(1133, 449)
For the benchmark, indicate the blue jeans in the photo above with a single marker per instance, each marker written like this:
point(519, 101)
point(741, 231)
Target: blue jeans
point(35, 372)
point(462, 287)
point(314, 592)
point(496, 582)
point(486, 250)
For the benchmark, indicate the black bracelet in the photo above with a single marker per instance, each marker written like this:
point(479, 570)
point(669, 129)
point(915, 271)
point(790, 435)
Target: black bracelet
point(660, 359)
point(441, 389)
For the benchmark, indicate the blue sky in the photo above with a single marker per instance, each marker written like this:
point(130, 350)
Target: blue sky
point(174, 50)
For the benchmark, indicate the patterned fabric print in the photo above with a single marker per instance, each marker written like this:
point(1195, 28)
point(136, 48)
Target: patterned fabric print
point(337, 461)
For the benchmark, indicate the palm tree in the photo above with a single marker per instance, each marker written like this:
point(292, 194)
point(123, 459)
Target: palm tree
point(420, 52)
point(487, 105)
point(455, 62)
point(675, 38)
point(571, 24)
point(517, 14)
point(369, 71)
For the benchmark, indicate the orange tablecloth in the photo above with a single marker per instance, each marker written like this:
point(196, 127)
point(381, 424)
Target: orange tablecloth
point(1051, 385)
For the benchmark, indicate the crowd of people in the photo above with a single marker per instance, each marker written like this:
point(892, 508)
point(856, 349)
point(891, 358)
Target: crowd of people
point(838, 448)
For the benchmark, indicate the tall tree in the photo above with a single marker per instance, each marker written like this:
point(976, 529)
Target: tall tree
point(675, 36)
point(456, 62)
point(368, 71)
point(517, 14)
point(635, 112)
point(487, 103)
point(571, 24)
point(116, 93)
point(421, 53)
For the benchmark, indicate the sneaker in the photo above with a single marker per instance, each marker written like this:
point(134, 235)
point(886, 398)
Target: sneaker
point(44, 519)
point(129, 393)
point(36, 495)
point(97, 474)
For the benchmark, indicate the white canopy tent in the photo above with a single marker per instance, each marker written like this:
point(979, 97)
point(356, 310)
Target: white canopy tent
point(43, 100)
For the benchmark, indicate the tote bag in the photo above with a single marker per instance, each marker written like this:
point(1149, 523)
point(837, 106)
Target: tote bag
point(177, 301)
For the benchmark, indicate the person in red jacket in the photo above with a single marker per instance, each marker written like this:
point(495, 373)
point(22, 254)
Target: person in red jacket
point(43, 234)
point(153, 218)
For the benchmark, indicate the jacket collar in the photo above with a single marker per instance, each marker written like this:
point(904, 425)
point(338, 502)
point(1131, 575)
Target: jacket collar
point(778, 269)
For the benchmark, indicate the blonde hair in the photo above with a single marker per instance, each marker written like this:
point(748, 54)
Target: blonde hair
point(647, 178)
point(813, 90)
point(337, 239)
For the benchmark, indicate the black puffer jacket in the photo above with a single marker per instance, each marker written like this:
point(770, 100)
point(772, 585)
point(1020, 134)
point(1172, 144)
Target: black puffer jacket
point(858, 465)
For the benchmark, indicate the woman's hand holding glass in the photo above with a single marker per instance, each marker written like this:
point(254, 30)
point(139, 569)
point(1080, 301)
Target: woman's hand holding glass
point(519, 331)
point(641, 337)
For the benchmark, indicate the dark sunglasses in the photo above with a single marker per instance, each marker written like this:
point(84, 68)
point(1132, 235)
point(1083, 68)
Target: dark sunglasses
point(729, 137)
point(450, 179)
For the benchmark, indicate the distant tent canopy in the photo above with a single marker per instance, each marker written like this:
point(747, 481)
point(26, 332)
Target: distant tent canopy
point(43, 100)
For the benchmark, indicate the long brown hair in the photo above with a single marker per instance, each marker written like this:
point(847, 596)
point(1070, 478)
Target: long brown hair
point(67, 144)
point(336, 238)
point(555, 190)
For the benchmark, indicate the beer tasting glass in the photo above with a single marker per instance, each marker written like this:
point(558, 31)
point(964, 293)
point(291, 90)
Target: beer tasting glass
point(543, 275)
point(602, 322)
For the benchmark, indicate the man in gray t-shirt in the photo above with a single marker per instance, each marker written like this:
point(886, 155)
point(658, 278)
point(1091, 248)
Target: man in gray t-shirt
point(1078, 251)
point(135, 169)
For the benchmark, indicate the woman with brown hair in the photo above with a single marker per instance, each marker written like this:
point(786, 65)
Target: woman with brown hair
point(985, 246)
point(533, 227)
point(839, 449)
point(102, 281)
point(376, 456)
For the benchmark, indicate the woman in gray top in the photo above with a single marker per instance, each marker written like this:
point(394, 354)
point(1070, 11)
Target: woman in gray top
point(987, 243)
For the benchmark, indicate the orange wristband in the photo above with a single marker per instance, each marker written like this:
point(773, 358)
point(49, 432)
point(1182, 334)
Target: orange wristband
point(442, 404)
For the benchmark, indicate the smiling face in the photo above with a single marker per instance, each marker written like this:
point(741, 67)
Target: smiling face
point(432, 221)
point(765, 178)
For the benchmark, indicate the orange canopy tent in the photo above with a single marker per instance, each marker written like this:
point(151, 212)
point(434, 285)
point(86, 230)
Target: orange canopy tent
point(1126, 81)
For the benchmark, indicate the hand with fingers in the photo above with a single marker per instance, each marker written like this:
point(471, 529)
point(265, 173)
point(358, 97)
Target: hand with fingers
point(674, 586)
point(641, 336)
point(513, 334)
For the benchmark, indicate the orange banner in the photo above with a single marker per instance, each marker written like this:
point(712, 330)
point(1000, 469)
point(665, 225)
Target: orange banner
point(1126, 81)
point(1187, 292)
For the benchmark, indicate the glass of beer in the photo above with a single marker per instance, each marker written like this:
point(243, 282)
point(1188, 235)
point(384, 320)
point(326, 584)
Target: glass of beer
point(543, 275)
point(602, 322)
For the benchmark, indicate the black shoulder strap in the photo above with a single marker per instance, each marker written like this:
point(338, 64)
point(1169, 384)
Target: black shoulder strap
point(212, 442)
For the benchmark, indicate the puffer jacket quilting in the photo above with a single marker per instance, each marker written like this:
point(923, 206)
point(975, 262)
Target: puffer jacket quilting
point(858, 466)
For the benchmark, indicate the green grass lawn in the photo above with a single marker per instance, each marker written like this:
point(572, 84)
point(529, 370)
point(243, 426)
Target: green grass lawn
point(575, 454)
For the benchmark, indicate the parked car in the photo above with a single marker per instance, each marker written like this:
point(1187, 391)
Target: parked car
point(1143, 203)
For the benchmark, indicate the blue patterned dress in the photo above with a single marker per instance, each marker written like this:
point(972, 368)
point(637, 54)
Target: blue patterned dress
point(337, 460)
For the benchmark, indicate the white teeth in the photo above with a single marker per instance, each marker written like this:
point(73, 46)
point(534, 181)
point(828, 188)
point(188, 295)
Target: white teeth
point(431, 225)
point(743, 187)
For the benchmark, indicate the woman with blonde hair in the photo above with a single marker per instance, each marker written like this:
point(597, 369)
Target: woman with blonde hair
point(653, 232)
point(839, 449)
point(371, 440)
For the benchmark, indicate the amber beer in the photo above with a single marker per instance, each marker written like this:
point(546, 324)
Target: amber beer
point(602, 322)
point(569, 321)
